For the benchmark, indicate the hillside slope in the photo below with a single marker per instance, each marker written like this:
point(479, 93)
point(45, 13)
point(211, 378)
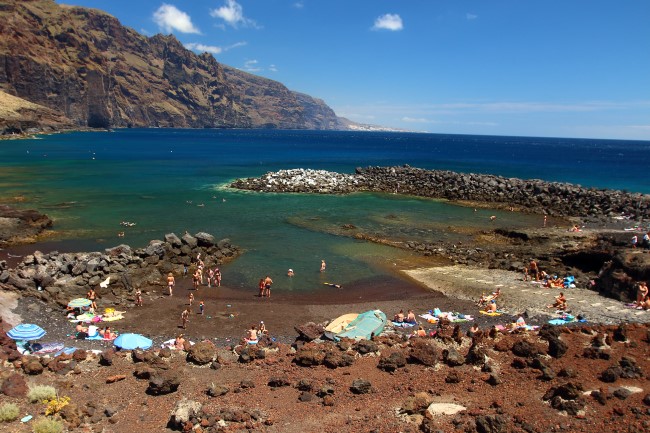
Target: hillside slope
point(98, 73)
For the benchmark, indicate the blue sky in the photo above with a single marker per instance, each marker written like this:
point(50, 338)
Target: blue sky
point(562, 68)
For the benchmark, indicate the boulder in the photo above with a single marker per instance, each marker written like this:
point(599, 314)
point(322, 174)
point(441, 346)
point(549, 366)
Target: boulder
point(183, 412)
point(491, 424)
point(423, 351)
point(164, 383)
point(309, 331)
point(173, 240)
point(452, 357)
point(391, 360)
point(189, 240)
point(201, 353)
point(361, 386)
point(14, 386)
point(310, 355)
point(204, 240)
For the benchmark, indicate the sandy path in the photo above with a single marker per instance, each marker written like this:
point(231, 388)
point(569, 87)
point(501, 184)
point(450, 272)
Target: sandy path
point(469, 283)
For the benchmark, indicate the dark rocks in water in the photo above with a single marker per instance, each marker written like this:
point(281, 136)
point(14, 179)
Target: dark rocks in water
point(551, 198)
point(70, 275)
point(21, 225)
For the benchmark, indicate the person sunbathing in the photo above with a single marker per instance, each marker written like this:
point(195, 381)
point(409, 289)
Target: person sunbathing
point(108, 335)
point(179, 342)
point(82, 331)
point(560, 302)
point(410, 317)
point(251, 335)
point(491, 306)
point(399, 317)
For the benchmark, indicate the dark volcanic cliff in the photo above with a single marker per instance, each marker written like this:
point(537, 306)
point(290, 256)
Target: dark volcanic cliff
point(98, 73)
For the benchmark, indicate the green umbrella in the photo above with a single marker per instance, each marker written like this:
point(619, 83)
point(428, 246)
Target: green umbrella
point(80, 303)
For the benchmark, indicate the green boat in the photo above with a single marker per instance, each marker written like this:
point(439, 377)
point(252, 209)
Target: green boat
point(365, 326)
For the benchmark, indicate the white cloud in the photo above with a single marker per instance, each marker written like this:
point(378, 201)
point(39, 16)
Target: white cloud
point(169, 18)
point(233, 14)
point(212, 49)
point(298, 5)
point(392, 22)
point(471, 16)
point(252, 66)
point(194, 46)
point(273, 68)
point(415, 120)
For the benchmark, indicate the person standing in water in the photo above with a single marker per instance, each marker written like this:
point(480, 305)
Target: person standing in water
point(323, 265)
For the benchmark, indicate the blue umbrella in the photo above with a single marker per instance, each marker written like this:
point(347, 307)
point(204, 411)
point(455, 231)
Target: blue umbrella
point(26, 331)
point(132, 341)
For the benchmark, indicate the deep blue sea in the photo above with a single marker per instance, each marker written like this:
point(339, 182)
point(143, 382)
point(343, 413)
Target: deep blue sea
point(174, 180)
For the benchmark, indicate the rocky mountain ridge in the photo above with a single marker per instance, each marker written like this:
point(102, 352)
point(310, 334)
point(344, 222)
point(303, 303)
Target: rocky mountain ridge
point(85, 65)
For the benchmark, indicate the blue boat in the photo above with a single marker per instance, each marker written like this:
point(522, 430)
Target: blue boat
point(365, 326)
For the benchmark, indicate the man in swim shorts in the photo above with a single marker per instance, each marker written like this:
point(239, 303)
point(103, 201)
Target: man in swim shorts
point(267, 286)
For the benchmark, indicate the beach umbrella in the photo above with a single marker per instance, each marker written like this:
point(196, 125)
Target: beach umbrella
point(26, 331)
point(80, 303)
point(132, 341)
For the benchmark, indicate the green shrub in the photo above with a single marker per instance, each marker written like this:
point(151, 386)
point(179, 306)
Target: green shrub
point(9, 412)
point(47, 425)
point(40, 393)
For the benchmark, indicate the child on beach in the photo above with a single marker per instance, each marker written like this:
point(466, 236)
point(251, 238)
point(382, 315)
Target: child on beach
point(201, 306)
point(138, 298)
point(261, 287)
point(191, 298)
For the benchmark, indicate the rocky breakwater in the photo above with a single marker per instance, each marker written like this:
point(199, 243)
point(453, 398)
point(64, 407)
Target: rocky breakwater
point(552, 198)
point(20, 225)
point(59, 277)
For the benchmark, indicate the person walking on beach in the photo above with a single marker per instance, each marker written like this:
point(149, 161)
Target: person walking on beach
point(323, 265)
point(196, 277)
point(201, 307)
point(92, 297)
point(138, 298)
point(217, 277)
point(635, 239)
point(185, 316)
point(268, 282)
point(170, 283)
point(210, 277)
point(191, 298)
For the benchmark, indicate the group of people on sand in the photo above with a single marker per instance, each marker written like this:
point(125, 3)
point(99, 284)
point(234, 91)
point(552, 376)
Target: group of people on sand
point(265, 286)
point(489, 302)
point(642, 297)
point(82, 332)
point(645, 242)
point(402, 318)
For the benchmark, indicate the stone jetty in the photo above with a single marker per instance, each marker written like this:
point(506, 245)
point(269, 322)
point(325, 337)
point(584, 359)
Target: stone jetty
point(60, 277)
point(538, 196)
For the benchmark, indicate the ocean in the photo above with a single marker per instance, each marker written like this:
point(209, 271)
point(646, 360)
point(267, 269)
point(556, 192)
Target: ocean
point(172, 180)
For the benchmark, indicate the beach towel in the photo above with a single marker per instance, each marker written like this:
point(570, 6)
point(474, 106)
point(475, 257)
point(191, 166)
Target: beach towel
point(46, 348)
point(100, 338)
point(65, 350)
point(112, 318)
point(403, 324)
point(172, 344)
point(490, 313)
point(429, 317)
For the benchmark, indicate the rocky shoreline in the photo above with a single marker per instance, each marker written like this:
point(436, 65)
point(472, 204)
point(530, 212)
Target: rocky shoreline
point(537, 196)
point(59, 277)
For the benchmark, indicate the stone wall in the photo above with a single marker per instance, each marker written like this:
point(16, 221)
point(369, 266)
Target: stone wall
point(552, 198)
point(60, 277)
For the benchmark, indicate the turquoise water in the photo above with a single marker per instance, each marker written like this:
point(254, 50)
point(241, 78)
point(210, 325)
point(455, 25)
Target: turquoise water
point(90, 182)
